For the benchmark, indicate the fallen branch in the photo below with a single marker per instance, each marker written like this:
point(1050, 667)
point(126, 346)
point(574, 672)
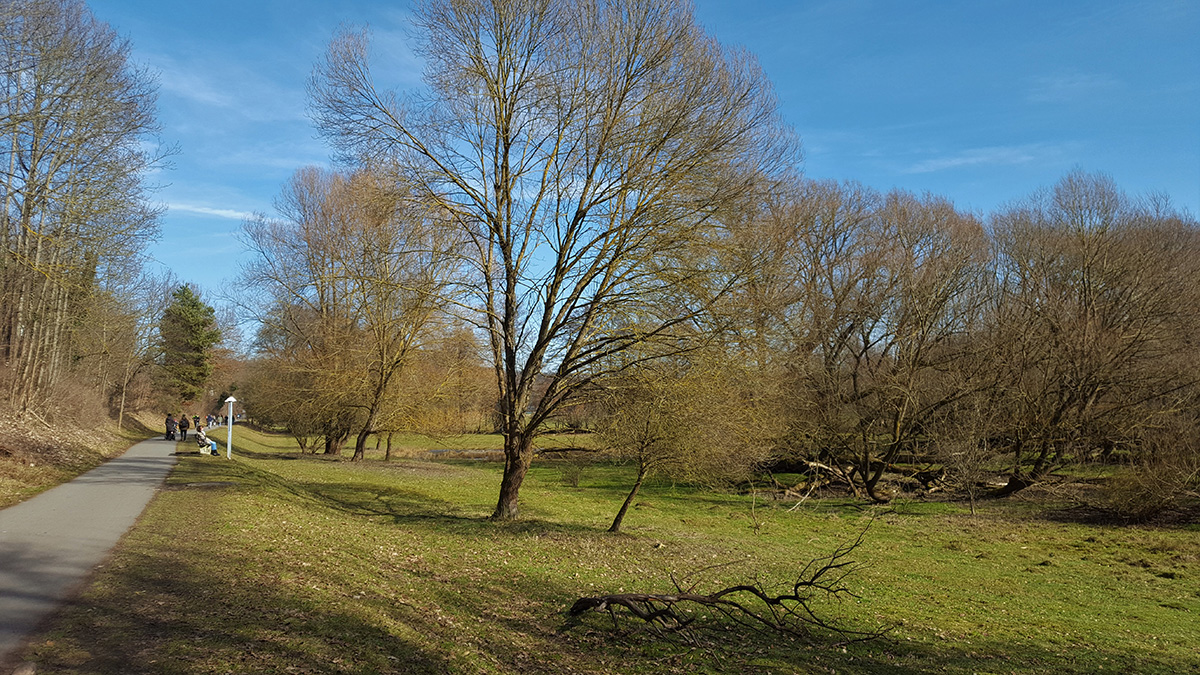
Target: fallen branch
point(39, 418)
point(751, 606)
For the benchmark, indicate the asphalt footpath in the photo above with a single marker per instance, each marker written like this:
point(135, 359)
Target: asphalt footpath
point(50, 543)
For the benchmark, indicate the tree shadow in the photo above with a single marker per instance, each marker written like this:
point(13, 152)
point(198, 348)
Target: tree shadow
point(176, 612)
point(402, 506)
point(148, 617)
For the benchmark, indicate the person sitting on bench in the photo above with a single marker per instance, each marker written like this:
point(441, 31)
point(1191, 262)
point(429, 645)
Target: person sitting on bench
point(202, 440)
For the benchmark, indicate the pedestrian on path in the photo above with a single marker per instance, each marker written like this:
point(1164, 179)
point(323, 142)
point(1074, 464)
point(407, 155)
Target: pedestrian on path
point(183, 426)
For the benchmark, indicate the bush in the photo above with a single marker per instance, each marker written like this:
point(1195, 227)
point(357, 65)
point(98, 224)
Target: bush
point(1164, 476)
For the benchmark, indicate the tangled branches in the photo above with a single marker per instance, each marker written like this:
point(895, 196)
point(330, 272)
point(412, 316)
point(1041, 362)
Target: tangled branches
point(790, 611)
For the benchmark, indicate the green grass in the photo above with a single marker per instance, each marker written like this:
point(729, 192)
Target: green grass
point(410, 444)
point(311, 565)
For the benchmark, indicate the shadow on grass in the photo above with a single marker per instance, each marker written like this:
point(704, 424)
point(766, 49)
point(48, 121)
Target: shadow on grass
point(373, 499)
point(412, 506)
point(193, 617)
point(148, 617)
point(193, 606)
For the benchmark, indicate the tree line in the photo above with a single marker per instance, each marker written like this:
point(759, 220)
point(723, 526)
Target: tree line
point(86, 327)
point(602, 206)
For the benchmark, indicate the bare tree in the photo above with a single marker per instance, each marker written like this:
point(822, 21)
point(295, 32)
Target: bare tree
point(863, 301)
point(1096, 328)
point(586, 150)
point(116, 338)
point(690, 417)
point(75, 117)
point(355, 273)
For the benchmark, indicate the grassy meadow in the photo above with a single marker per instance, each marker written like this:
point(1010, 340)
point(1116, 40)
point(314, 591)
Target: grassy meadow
point(282, 563)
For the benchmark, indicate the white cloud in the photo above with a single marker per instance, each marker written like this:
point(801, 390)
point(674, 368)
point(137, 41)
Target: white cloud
point(193, 87)
point(1069, 86)
point(285, 155)
point(230, 214)
point(992, 156)
point(254, 91)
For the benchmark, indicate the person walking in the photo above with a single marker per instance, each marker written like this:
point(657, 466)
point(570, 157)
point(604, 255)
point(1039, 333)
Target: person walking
point(183, 426)
point(172, 425)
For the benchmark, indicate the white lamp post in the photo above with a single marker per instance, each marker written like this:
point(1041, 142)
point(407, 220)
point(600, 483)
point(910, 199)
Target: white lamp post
point(229, 438)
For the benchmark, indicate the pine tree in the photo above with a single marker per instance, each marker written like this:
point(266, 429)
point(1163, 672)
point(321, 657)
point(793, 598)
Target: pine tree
point(189, 333)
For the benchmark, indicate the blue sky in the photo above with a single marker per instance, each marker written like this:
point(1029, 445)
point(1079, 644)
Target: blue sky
point(982, 101)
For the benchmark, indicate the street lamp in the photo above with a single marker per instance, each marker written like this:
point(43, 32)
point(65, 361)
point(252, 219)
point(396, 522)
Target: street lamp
point(229, 438)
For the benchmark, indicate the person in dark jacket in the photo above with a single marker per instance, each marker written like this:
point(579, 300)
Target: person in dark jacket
point(183, 427)
point(171, 426)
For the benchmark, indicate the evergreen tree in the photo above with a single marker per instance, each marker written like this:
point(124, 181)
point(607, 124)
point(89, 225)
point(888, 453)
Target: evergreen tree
point(189, 333)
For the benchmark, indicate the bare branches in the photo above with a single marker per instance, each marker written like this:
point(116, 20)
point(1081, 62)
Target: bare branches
point(793, 610)
point(355, 273)
point(584, 149)
point(76, 141)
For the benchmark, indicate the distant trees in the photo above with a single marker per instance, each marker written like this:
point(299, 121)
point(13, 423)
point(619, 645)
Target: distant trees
point(76, 121)
point(355, 273)
point(1096, 327)
point(586, 152)
point(904, 329)
point(117, 340)
point(866, 300)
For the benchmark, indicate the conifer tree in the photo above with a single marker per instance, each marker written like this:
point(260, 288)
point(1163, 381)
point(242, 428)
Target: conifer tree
point(189, 333)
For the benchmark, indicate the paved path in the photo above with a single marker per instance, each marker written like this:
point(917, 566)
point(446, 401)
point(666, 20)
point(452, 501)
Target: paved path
point(50, 543)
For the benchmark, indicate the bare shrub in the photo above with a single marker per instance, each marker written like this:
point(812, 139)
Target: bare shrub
point(1164, 476)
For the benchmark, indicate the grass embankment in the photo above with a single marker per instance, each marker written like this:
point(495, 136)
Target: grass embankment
point(35, 456)
point(304, 565)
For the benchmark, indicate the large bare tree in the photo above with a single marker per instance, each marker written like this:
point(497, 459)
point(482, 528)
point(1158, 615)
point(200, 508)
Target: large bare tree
point(586, 149)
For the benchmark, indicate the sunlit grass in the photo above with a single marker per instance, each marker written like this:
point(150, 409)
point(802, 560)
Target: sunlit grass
point(412, 444)
point(277, 562)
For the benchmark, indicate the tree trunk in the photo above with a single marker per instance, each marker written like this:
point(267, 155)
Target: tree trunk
point(1016, 483)
point(334, 442)
point(518, 455)
point(121, 409)
point(637, 485)
point(360, 444)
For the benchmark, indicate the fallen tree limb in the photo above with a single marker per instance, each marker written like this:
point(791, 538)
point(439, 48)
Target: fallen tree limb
point(753, 606)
